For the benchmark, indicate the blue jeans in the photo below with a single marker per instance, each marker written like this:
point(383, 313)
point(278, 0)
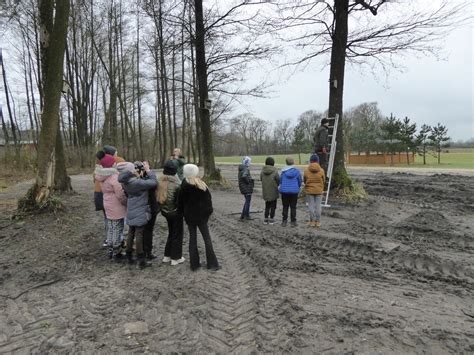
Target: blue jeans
point(314, 207)
point(246, 209)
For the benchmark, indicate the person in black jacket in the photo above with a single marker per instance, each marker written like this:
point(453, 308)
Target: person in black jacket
point(195, 203)
point(321, 143)
point(246, 184)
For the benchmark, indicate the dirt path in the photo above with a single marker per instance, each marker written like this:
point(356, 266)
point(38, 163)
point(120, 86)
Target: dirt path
point(392, 274)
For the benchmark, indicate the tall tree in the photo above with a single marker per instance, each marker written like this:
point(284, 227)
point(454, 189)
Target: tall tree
point(439, 138)
point(53, 17)
point(407, 136)
point(423, 141)
point(366, 41)
point(390, 134)
point(204, 117)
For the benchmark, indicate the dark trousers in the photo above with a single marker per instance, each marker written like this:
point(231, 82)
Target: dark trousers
point(270, 207)
point(193, 249)
point(174, 244)
point(137, 234)
point(323, 161)
point(148, 235)
point(289, 200)
point(246, 209)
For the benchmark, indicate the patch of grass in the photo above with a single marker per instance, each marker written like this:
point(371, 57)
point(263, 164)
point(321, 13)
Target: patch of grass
point(460, 158)
point(260, 159)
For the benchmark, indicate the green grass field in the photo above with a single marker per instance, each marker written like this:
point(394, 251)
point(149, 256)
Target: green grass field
point(453, 159)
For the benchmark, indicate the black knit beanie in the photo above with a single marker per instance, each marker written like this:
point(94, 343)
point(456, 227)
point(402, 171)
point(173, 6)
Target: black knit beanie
point(270, 161)
point(170, 168)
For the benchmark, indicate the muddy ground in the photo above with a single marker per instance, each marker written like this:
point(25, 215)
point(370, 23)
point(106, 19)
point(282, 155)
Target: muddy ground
point(393, 274)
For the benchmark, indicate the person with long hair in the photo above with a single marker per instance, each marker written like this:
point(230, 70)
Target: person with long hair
point(195, 203)
point(167, 196)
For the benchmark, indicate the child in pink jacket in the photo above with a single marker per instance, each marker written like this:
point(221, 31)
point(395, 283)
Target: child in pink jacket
point(115, 204)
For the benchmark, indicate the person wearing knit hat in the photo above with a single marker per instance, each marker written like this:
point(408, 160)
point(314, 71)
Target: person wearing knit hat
point(114, 201)
point(246, 184)
point(107, 161)
point(108, 149)
point(313, 179)
point(270, 181)
point(314, 158)
point(190, 171)
point(195, 204)
point(170, 168)
point(168, 191)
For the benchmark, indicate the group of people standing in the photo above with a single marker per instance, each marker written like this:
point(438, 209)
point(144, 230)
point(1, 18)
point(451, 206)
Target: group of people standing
point(130, 193)
point(288, 183)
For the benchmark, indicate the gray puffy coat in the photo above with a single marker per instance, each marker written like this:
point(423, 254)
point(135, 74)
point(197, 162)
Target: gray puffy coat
point(138, 206)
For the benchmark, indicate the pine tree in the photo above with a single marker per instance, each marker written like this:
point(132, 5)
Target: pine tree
point(423, 141)
point(438, 138)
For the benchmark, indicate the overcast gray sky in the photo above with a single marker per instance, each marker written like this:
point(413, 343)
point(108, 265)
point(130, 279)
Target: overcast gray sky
point(428, 91)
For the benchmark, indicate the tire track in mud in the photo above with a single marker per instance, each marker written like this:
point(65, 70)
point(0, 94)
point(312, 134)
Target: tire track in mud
point(243, 310)
point(413, 235)
point(348, 250)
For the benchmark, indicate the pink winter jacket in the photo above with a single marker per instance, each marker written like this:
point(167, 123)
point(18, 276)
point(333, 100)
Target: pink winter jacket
point(115, 201)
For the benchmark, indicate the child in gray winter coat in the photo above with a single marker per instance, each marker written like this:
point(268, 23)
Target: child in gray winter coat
point(138, 207)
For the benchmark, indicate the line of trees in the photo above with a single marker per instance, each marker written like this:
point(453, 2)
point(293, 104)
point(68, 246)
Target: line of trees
point(131, 74)
point(366, 131)
point(140, 75)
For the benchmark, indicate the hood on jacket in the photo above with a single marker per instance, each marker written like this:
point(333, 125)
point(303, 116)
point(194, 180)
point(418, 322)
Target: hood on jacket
point(242, 167)
point(101, 174)
point(290, 171)
point(268, 169)
point(314, 167)
point(126, 176)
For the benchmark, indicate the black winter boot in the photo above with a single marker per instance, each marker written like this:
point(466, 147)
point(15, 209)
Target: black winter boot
point(142, 262)
point(129, 257)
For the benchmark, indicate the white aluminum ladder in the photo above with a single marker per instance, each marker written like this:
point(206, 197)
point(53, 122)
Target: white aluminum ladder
point(332, 152)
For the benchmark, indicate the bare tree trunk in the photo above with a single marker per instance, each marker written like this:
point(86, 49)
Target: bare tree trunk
point(53, 45)
point(204, 116)
point(62, 182)
point(10, 113)
point(336, 86)
point(139, 111)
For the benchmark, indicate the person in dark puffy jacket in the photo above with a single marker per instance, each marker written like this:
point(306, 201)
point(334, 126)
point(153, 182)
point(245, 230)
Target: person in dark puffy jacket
point(290, 183)
point(138, 207)
point(246, 184)
point(168, 192)
point(270, 181)
point(195, 203)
